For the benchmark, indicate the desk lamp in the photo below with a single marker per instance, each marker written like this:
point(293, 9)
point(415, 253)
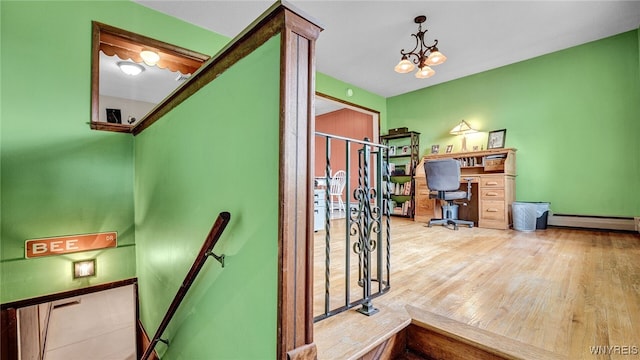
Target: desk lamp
point(463, 129)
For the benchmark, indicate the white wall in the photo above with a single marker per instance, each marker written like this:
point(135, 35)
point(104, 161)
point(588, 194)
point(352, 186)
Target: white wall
point(127, 107)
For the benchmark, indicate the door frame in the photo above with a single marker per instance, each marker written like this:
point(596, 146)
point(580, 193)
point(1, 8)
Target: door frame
point(9, 312)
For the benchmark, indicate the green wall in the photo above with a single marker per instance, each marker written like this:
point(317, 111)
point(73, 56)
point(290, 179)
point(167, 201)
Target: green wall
point(210, 154)
point(572, 117)
point(58, 176)
point(328, 85)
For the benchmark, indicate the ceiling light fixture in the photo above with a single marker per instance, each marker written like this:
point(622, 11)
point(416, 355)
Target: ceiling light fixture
point(150, 57)
point(130, 68)
point(426, 57)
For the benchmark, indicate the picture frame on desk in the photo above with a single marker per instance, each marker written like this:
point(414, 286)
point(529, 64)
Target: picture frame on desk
point(392, 150)
point(435, 149)
point(405, 150)
point(449, 149)
point(496, 139)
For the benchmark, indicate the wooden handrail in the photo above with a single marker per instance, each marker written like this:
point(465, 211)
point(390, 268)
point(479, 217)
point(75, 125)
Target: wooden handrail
point(206, 251)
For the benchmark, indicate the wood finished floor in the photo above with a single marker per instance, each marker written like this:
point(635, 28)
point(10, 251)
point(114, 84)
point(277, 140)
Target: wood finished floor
point(560, 290)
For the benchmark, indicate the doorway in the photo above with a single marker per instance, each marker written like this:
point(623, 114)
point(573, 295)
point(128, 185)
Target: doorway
point(98, 324)
point(336, 117)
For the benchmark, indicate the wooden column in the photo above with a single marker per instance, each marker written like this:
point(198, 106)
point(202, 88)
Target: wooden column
point(295, 282)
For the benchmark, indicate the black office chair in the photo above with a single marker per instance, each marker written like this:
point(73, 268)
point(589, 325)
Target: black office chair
point(443, 181)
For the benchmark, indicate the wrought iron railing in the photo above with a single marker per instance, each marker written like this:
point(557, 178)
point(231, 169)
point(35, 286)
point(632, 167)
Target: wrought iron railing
point(361, 229)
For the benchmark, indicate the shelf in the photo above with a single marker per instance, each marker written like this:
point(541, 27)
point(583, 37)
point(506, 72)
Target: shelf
point(400, 135)
point(399, 156)
point(400, 198)
point(403, 160)
point(400, 179)
point(400, 215)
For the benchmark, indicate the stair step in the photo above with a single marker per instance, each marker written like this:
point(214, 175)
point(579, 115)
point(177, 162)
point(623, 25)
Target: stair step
point(438, 337)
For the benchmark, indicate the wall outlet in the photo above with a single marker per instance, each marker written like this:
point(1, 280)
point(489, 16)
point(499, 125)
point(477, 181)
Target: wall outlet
point(636, 220)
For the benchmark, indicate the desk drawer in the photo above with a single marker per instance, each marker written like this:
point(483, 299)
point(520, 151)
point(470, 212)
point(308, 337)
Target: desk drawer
point(492, 194)
point(319, 215)
point(493, 182)
point(492, 210)
point(319, 198)
point(494, 164)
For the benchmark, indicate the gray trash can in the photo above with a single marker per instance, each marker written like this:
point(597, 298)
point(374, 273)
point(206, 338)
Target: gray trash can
point(542, 215)
point(524, 216)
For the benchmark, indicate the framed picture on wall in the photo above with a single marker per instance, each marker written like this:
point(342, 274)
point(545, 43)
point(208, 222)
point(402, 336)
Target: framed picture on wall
point(449, 149)
point(114, 116)
point(496, 139)
point(435, 149)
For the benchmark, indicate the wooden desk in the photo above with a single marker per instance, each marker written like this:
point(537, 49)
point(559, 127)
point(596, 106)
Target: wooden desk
point(493, 188)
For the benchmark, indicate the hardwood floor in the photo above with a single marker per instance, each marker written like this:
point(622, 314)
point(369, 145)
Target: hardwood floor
point(563, 291)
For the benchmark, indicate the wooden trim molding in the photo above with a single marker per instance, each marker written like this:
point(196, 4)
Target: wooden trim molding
point(127, 45)
point(270, 23)
point(304, 352)
point(67, 294)
point(345, 102)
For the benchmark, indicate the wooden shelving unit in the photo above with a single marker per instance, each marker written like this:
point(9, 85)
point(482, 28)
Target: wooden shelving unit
point(404, 150)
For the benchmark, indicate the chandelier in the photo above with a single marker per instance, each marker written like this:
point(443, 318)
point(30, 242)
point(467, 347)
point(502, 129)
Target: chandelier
point(426, 57)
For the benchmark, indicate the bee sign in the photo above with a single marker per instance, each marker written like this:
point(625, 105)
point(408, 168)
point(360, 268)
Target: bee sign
point(69, 244)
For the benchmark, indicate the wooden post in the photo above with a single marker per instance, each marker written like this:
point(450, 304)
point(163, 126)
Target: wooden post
point(297, 124)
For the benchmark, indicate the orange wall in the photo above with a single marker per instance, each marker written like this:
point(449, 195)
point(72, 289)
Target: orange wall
point(348, 123)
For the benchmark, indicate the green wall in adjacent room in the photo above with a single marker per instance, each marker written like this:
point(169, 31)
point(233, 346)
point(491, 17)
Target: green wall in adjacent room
point(58, 176)
point(333, 87)
point(572, 117)
point(214, 153)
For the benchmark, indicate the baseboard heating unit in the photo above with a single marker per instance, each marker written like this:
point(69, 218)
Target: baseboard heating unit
point(595, 222)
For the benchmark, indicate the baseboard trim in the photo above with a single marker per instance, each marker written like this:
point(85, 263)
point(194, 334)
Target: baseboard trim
point(594, 222)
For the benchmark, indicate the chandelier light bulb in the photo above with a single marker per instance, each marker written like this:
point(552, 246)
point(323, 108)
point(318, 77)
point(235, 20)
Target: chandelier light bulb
point(425, 72)
point(436, 57)
point(404, 66)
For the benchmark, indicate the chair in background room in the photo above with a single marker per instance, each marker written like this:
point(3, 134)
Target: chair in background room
point(443, 181)
point(336, 187)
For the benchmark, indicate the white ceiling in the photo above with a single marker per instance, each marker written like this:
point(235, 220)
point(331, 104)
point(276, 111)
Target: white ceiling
point(362, 39)
point(152, 85)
